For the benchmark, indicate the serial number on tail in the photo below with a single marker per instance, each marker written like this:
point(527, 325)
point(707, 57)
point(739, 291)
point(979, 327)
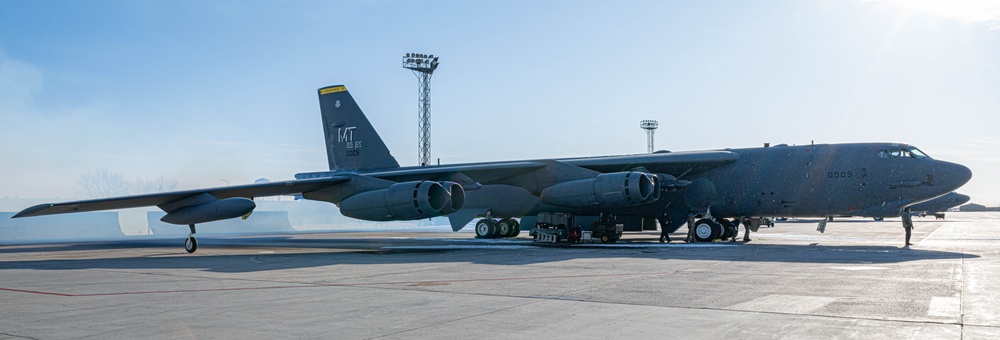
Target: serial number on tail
point(353, 153)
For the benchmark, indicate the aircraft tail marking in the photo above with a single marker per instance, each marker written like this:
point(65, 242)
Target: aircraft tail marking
point(351, 141)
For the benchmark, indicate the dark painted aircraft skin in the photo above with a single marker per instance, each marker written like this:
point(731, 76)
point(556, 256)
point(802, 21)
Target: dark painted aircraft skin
point(940, 204)
point(366, 182)
point(800, 181)
point(894, 209)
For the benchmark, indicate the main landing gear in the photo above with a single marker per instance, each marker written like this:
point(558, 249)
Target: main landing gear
point(191, 244)
point(708, 230)
point(504, 227)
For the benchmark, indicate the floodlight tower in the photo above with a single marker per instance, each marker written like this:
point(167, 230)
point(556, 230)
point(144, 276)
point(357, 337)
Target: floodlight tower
point(650, 127)
point(423, 66)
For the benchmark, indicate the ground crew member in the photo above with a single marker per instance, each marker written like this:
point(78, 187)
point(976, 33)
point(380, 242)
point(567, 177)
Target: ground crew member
point(690, 236)
point(663, 227)
point(733, 227)
point(907, 225)
point(746, 225)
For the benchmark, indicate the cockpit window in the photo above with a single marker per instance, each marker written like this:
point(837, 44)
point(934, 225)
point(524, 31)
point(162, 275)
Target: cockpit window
point(902, 153)
point(917, 153)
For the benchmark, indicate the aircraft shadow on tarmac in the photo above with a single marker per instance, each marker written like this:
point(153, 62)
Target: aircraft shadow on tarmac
point(374, 251)
point(890, 220)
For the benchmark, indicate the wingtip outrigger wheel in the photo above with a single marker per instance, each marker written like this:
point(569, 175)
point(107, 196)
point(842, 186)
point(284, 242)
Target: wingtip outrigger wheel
point(191, 244)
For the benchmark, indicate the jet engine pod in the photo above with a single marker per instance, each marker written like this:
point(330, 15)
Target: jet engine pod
point(401, 201)
point(656, 188)
point(211, 211)
point(605, 190)
point(457, 194)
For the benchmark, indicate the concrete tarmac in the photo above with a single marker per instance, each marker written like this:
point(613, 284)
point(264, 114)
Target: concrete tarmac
point(854, 281)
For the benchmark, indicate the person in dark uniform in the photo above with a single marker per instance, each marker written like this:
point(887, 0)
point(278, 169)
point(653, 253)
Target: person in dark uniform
point(907, 225)
point(664, 235)
point(746, 226)
point(690, 236)
point(733, 227)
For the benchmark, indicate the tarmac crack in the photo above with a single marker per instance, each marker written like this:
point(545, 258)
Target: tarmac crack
point(17, 336)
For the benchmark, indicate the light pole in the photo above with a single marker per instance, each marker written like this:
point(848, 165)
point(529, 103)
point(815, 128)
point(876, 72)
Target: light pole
point(650, 127)
point(423, 66)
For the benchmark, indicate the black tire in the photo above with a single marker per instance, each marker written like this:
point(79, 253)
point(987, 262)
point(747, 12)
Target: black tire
point(706, 230)
point(717, 230)
point(504, 228)
point(517, 228)
point(494, 232)
point(483, 229)
point(879, 218)
point(191, 244)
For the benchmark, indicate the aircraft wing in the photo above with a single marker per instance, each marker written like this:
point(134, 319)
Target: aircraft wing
point(156, 199)
point(674, 163)
point(480, 172)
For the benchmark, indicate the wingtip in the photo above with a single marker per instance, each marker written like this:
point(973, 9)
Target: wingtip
point(32, 211)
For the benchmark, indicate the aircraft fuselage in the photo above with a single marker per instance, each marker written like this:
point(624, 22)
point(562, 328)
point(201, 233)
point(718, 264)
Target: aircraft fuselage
point(792, 181)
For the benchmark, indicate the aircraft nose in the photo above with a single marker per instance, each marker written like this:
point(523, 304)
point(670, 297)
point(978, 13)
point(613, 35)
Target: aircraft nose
point(962, 199)
point(964, 174)
point(954, 175)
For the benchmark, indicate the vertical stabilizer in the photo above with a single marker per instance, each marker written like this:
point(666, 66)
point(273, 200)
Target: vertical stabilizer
point(351, 141)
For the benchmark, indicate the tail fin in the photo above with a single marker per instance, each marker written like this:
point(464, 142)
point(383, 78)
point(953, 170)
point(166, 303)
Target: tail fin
point(351, 141)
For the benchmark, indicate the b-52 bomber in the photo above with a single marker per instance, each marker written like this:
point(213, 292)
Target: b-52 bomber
point(935, 206)
point(367, 183)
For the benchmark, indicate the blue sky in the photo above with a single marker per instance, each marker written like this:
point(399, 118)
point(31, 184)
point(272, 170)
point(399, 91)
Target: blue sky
point(201, 91)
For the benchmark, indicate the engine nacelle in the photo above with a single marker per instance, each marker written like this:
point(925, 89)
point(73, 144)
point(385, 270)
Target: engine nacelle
point(401, 201)
point(606, 190)
point(657, 188)
point(457, 194)
point(211, 211)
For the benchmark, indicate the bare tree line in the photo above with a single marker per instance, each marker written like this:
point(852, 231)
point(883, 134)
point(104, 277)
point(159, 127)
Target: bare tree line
point(106, 183)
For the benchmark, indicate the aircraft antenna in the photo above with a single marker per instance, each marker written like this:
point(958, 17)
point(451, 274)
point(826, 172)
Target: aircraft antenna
point(650, 127)
point(423, 66)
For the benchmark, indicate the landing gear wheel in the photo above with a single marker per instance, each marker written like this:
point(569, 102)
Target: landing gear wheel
point(717, 230)
point(485, 229)
point(505, 228)
point(706, 230)
point(517, 228)
point(191, 244)
point(879, 218)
